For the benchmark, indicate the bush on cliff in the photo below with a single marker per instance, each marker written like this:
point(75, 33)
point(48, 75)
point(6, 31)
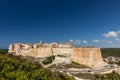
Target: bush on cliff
point(18, 68)
point(76, 65)
point(48, 60)
point(61, 55)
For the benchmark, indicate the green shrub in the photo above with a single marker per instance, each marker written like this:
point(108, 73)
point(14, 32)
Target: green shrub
point(61, 55)
point(48, 60)
point(77, 65)
point(18, 68)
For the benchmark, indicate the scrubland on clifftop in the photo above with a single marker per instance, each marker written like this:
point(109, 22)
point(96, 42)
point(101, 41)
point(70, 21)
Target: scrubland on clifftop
point(19, 68)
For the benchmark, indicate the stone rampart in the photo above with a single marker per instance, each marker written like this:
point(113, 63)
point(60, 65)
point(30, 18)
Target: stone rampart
point(40, 52)
point(63, 51)
point(88, 56)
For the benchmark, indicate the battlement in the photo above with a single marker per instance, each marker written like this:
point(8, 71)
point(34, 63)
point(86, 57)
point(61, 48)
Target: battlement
point(20, 46)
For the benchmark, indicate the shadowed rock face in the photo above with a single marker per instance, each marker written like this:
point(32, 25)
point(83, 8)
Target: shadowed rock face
point(90, 56)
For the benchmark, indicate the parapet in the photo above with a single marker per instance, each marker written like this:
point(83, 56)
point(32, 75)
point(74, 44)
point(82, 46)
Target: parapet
point(19, 46)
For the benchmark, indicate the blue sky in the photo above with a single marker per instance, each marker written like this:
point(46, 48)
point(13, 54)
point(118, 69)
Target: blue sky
point(83, 22)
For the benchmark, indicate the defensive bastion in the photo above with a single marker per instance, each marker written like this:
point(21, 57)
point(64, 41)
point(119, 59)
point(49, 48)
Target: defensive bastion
point(90, 56)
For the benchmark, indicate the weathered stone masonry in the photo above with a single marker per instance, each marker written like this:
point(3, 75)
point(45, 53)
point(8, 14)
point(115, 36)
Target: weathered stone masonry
point(90, 56)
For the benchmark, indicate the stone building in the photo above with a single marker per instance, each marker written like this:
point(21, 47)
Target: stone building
point(90, 56)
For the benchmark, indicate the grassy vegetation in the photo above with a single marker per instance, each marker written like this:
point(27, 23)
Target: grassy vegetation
point(110, 76)
point(61, 55)
point(19, 68)
point(48, 60)
point(110, 52)
point(76, 65)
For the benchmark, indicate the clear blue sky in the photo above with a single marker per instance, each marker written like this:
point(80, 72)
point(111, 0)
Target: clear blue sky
point(83, 22)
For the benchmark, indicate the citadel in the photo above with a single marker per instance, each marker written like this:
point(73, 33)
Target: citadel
point(90, 56)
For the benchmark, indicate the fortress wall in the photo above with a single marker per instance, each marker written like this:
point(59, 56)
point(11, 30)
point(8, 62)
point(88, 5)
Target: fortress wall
point(40, 52)
point(80, 55)
point(96, 54)
point(63, 51)
point(88, 56)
